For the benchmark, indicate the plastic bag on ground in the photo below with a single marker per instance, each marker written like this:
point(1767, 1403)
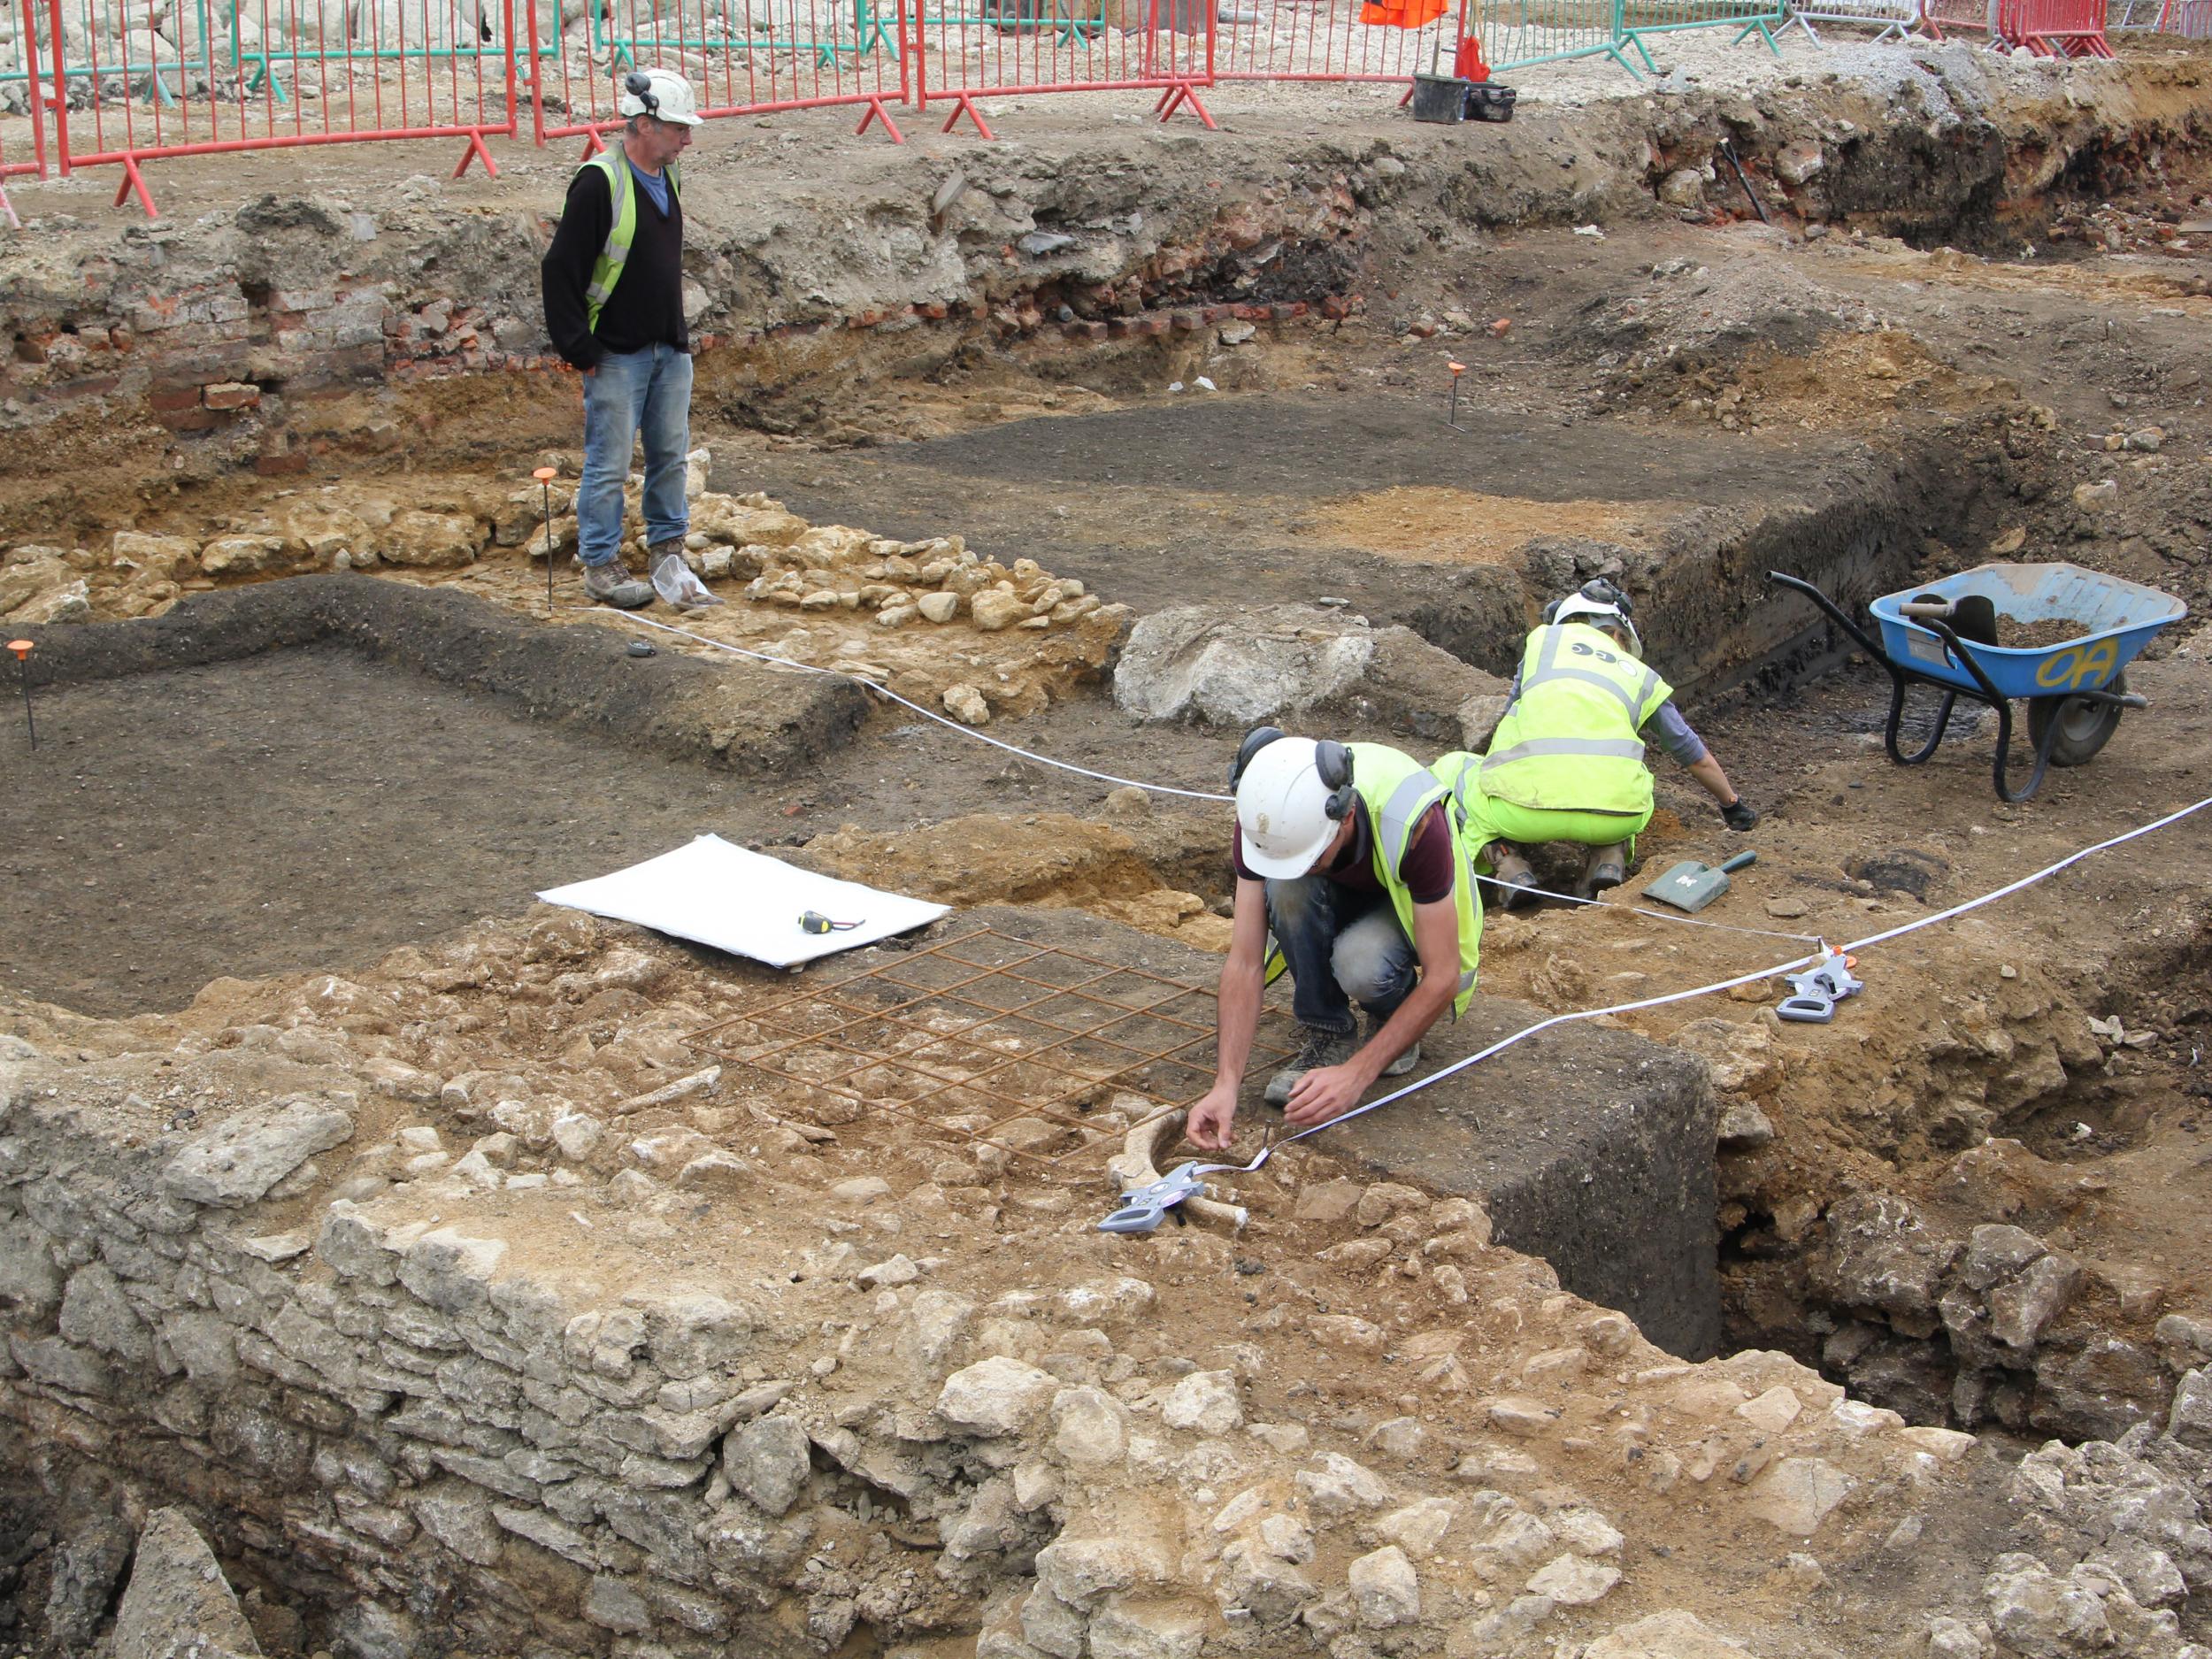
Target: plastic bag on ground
point(675, 582)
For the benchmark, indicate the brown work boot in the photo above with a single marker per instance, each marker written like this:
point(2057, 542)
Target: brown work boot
point(659, 550)
point(611, 585)
point(1604, 868)
point(1512, 878)
point(1321, 1048)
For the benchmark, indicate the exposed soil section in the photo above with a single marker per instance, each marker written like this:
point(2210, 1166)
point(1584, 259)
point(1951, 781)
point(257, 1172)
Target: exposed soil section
point(545, 1323)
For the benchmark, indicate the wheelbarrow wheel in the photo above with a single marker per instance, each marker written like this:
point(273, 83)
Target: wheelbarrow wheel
point(2083, 725)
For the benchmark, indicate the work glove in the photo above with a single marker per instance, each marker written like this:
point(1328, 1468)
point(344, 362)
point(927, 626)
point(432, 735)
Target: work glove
point(1739, 814)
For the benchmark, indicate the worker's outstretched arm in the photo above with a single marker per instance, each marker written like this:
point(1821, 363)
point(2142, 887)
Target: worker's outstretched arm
point(1331, 1091)
point(1237, 1017)
point(1735, 812)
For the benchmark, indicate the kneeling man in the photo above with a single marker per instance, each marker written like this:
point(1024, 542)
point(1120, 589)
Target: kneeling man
point(1350, 854)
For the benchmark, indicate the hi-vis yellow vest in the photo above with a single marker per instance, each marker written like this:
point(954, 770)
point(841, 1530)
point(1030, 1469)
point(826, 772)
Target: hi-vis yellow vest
point(1398, 790)
point(606, 271)
point(1570, 743)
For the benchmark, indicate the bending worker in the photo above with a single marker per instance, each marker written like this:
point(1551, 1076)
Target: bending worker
point(1566, 763)
point(1350, 854)
point(613, 281)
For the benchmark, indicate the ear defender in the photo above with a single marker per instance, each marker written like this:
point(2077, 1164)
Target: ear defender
point(1334, 762)
point(1255, 739)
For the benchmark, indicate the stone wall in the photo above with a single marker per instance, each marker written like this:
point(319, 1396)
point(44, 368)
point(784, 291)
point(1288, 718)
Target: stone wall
point(464, 1312)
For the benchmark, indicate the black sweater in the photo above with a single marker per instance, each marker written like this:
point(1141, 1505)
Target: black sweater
point(647, 306)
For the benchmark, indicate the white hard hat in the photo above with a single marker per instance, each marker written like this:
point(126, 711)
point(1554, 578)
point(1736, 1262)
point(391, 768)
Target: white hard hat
point(1291, 794)
point(1601, 613)
point(660, 93)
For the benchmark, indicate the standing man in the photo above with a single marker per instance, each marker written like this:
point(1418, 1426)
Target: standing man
point(1351, 854)
point(1566, 763)
point(614, 306)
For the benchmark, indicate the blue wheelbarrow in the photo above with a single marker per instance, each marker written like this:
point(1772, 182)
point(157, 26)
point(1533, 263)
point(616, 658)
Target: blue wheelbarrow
point(1945, 634)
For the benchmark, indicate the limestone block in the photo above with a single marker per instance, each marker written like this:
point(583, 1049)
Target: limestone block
point(462, 1520)
point(2041, 1614)
point(178, 1603)
point(1234, 664)
point(96, 1313)
point(250, 1152)
point(933, 1326)
point(1740, 1054)
point(695, 1332)
point(1089, 1428)
point(1133, 1628)
point(1079, 1571)
point(452, 1271)
point(995, 1397)
point(1419, 1527)
point(1797, 1493)
point(1205, 1401)
point(994, 610)
point(613, 1605)
point(1337, 1485)
point(965, 704)
point(1673, 1635)
point(1050, 1625)
point(170, 555)
point(29, 1281)
point(432, 540)
point(768, 1462)
point(1385, 1590)
point(242, 554)
point(1570, 1581)
point(1879, 1254)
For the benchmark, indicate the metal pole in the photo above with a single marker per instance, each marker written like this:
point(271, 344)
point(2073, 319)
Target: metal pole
point(545, 476)
point(22, 649)
point(1452, 419)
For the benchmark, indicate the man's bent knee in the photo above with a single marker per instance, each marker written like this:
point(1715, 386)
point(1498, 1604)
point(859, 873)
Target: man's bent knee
point(1373, 961)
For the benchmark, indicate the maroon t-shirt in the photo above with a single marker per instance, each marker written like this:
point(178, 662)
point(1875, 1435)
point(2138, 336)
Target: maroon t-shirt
point(1426, 869)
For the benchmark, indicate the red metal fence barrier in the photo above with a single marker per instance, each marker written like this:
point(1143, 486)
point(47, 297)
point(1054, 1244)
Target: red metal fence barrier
point(1335, 39)
point(1940, 18)
point(971, 49)
point(34, 163)
point(274, 74)
point(2056, 28)
point(741, 57)
point(2049, 28)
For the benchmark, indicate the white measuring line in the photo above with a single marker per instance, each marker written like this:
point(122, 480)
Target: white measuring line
point(1657, 916)
point(1106, 777)
point(927, 714)
point(1870, 940)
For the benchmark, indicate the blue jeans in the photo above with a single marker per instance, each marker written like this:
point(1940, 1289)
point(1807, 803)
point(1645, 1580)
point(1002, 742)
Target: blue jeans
point(1341, 950)
point(630, 392)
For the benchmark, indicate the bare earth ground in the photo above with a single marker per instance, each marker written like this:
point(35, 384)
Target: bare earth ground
point(1966, 1078)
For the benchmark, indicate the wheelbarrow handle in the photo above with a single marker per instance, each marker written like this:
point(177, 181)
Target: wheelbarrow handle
point(1942, 608)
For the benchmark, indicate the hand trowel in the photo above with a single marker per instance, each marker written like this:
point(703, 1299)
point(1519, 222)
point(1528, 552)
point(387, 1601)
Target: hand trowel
point(1691, 886)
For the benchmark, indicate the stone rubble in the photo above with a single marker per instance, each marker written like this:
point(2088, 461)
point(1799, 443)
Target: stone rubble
point(445, 1316)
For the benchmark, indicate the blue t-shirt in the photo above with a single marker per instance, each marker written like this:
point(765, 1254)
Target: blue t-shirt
point(655, 185)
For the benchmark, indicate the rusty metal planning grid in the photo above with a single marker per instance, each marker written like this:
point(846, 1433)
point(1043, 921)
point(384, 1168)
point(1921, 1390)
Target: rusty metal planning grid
point(1001, 1040)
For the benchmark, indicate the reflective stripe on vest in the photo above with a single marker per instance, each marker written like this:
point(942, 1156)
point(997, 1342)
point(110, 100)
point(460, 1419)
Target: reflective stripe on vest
point(1397, 791)
point(1570, 741)
point(1637, 700)
point(606, 270)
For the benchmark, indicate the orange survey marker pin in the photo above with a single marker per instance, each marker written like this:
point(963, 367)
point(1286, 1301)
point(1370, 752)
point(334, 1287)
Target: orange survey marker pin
point(545, 475)
point(1452, 419)
point(22, 649)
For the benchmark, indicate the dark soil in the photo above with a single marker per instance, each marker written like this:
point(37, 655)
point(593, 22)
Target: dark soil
point(1221, 497)
point(2031, 636)
point(304, 808)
